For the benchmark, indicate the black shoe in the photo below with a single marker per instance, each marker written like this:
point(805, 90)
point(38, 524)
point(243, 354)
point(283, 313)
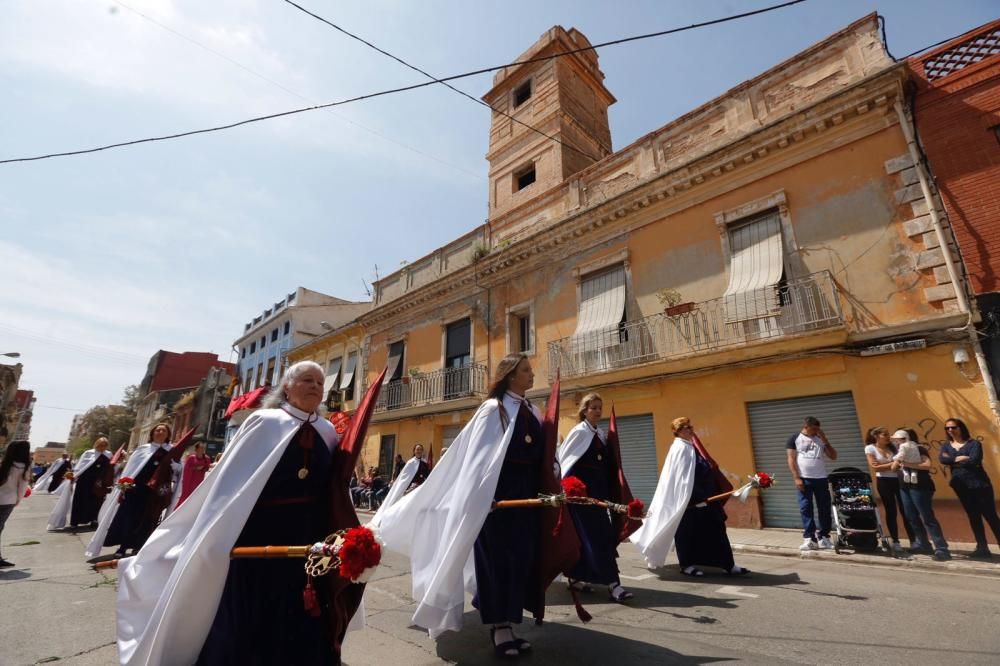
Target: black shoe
point(981, 554)
point(121, 552)
point(941, 555)
point(5, 564)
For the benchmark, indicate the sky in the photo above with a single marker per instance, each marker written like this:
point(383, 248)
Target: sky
point(106, 258)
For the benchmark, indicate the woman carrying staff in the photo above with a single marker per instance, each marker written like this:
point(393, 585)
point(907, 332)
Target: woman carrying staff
point(585, 454)
point(499, 455)
point(680, 513)
point(129, 516)
point(80, 499)
point(283, 481)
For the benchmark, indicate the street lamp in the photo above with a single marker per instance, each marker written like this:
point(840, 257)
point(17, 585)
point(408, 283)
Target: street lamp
point(12, 354)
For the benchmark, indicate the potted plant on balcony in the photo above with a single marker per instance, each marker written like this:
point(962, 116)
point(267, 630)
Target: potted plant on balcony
point(413, 374)
point(670, 299)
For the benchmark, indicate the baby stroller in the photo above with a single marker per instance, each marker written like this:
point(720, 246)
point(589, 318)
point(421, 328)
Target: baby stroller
point(855, 515)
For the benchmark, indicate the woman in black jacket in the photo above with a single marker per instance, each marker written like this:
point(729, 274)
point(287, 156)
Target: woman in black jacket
point(964, 456)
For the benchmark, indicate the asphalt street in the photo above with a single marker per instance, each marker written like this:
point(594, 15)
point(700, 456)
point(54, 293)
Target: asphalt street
point(789, 611)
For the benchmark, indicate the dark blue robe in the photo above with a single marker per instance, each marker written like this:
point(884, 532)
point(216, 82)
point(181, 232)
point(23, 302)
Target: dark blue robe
point(88, 493)
point(261, 618)
point(701, 535)
point(598, 538)
point(506, 550)
point(57, 476)
point(137, 516)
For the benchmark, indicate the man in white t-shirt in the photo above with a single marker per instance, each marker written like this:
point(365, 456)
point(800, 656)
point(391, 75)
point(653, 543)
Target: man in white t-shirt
point(806, 450)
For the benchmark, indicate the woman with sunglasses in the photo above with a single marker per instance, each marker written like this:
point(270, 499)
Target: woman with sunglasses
point(880, 452)
point(963, 455)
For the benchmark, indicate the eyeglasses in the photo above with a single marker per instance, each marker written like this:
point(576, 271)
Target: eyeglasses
point(686, 427)
point(951, 428)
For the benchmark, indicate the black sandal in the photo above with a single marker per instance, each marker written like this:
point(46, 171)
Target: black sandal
point(579, 586)
point(619, 594)
point(693, 571)
point(507, 649)
point(738, 571)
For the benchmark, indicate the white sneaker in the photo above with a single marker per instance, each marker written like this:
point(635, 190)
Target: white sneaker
point(808, 544)
point(825, 544)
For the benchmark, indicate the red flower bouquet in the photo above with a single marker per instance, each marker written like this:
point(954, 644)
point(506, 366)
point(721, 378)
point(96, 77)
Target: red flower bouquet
point(764, 480)
point(125, 483)
point(574, 487)
point(636, 509)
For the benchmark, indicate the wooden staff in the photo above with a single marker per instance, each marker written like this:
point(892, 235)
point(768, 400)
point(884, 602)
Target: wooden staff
point(244, 553)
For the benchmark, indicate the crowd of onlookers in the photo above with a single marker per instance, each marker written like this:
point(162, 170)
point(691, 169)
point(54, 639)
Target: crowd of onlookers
point(904, 484)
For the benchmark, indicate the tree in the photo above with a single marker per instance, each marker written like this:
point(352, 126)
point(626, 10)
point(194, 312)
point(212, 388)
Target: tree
point(112, 421)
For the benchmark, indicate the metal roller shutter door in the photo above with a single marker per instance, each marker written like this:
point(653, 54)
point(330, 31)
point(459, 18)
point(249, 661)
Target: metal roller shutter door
point(638, 446)
point(771, 424)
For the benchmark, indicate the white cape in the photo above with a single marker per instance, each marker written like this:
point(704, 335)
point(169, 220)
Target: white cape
point(169, 593)
point(109, 509)
point(402, 482)
point(673, 492)
point(576, 444)
point(60, 514)
point(437, 525)
point(42, 484)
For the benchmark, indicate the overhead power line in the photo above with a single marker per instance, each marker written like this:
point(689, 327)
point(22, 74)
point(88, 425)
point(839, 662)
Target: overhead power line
point(392, 91)
point(437, 80)
point(289, 90)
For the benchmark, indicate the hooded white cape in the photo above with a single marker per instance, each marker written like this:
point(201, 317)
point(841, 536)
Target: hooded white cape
point(42, 484)
point(109, 509)
point(576, 444)
point(402, 482)
point(436, 525)
point(60, 514)
point(673, 492)
point(169, 593)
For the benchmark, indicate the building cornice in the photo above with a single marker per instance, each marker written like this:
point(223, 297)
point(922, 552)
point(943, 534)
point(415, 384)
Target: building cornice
point(857, 111)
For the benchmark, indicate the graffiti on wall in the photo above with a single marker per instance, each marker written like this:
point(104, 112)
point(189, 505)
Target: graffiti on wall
point(931, 435)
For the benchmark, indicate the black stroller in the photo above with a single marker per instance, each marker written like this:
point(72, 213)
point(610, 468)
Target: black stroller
point(855, 515)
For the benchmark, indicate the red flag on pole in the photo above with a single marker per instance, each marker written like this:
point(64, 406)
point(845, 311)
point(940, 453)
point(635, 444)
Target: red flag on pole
point(559, 542)
point(343, 595)
point(430, 456)
point(621, 493)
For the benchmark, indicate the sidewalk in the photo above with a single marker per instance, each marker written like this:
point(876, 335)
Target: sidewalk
point(786, 544)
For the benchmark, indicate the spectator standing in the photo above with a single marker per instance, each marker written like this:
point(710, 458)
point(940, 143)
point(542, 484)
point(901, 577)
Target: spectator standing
point(880, 452)
point(806, 450)
point(917, 494)
point(964, 457)
point(14, 477)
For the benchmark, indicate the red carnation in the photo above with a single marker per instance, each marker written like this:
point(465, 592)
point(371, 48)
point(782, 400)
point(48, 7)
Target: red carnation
point(636, 508)
point(126, 480)
point(574, 487)
point(27, 491)
point(360, 551)
point(764, 480)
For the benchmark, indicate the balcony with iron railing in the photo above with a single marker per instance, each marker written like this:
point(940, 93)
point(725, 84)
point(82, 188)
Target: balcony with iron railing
point(431, 388)
point(754, 317)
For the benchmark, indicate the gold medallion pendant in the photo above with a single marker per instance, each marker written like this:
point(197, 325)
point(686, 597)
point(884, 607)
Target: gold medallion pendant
point(527, 439)
point(303, 473)
point(599, 457)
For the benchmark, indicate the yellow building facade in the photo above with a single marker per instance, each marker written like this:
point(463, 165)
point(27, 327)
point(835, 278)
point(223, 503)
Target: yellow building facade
point(765, 257)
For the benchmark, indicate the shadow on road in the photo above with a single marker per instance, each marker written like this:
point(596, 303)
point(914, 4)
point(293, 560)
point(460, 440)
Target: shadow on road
point(555, 643)
point(14, 574)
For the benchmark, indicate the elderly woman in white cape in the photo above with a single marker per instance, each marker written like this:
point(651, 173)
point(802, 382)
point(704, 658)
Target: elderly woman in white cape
point(182, 601)
point(679, 513)
point(454, 542)
point(80, 499)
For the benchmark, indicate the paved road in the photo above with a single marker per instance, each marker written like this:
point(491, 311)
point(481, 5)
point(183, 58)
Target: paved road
point(788, 612)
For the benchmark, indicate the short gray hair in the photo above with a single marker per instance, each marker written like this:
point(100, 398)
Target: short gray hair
point(276, 396)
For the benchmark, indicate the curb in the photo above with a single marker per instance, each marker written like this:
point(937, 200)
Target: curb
point(962, 566)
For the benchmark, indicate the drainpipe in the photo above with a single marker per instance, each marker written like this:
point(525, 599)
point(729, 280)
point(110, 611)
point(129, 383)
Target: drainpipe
point(960, 294)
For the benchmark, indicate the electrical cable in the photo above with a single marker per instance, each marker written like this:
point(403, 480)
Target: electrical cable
point(292, 92)
point(447, 85)
point(392, 91)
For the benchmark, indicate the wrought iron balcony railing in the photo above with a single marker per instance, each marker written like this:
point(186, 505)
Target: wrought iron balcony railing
point(809, 304)
point(433, 387)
